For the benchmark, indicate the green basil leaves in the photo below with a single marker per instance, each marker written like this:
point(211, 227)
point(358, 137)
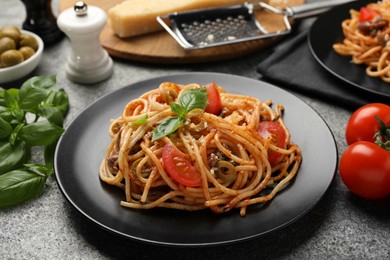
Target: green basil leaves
point(20, 185)
point(189, 100)
point(30, 116)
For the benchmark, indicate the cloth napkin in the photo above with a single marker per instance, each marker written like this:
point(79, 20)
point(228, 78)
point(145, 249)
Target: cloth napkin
point(292, 66)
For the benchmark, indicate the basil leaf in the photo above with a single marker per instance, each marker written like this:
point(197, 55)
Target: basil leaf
point(30, 98)
point(167, 127)
point(15, 133)
point(6, 114)
point(52, 114)
point(59, 99)
point(5, 128)
point(3, 109)
point(2, 101)
point(49, 152)
point(178, 110)
point(41, 169)
point(18, 114)
point(34, 91)
point(19, 186)
point(194, 98)
point(40, 133)
point(189, 100)
point(11, 98)
point(13, 156)
point(140, 120)
point(45, 82)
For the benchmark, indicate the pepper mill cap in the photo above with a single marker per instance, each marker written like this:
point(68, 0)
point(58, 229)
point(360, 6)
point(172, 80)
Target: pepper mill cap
point(81, 19)
point(80, 8)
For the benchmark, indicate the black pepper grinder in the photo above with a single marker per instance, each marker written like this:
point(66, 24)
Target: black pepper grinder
point(41, 20)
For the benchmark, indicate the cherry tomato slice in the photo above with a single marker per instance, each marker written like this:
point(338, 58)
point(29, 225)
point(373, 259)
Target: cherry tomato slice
point(269, 129)
point(214, 103)
point(179, 168)
point(362, 124)
point(365, 170)
point(367, 14)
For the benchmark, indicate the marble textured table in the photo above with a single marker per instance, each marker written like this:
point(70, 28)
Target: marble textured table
point(341, 226)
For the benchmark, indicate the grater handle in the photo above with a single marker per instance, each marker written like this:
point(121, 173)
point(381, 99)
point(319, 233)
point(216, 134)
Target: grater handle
point(313, 9)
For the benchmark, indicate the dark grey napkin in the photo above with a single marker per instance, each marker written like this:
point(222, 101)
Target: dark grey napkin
point(292, 66)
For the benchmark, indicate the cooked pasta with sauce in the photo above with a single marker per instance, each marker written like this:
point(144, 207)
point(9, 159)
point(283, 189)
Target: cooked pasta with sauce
point(193, 147)
point(367, 38)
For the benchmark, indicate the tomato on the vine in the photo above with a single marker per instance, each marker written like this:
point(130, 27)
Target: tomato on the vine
point(179, 168)
point(214, 103)
point(363, 125)
point(365, 170)
point(270, 129)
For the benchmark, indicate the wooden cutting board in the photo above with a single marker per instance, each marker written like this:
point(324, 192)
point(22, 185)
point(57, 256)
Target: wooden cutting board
point(160, 47)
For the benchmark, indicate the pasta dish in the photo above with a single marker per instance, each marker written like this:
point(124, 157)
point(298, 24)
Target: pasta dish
point(193, 147)
point(367, 38)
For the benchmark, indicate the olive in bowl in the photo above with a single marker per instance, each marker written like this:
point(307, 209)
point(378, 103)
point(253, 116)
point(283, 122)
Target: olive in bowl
point(20, 53)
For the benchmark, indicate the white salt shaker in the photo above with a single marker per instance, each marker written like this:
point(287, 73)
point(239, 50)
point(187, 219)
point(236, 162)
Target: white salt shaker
point(88, 62)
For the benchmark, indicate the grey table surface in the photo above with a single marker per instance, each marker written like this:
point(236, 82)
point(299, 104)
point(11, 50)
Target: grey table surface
point(340, 226)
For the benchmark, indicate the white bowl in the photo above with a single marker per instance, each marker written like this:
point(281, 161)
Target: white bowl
point(22, 69)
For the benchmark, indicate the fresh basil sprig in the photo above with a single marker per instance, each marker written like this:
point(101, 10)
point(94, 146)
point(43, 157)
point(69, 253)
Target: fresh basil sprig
point(189, 100)
point(30, 116)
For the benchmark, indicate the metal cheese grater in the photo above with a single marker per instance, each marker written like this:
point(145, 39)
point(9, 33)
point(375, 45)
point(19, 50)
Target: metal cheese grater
point(205, 28)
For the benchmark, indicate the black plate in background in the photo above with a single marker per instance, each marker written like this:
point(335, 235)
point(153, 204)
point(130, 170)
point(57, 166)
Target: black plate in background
point(326, 31)
point(83, 145)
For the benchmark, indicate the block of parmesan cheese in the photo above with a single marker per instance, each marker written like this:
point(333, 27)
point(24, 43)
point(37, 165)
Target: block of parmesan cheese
point(136, 17)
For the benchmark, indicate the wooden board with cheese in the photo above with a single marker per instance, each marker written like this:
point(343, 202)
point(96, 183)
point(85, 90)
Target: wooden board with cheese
point(160, 47)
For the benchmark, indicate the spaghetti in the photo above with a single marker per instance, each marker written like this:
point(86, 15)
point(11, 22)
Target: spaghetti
point(225, 150)
point(367, 39)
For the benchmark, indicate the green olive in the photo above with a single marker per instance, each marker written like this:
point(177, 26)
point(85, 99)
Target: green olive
point(27, 52)
point(12, 27)
point(134, 166)
point(226, 171)
point(11, 33)
point(11, 57)
point(6, 44)
point(28, 40)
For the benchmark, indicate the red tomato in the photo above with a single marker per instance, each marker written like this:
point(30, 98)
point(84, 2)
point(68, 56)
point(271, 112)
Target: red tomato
point(367, 14)
point(365, 170)
point(269, 129)
point(362, 124)
point(179, 168)
point(214, 103)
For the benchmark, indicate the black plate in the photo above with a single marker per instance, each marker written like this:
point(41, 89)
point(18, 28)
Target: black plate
point(83, 145)
point(326, 31)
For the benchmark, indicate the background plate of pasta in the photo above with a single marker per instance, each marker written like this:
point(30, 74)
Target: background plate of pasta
point(184, 159)
point(352, 42)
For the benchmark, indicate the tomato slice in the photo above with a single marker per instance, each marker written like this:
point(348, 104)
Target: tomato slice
point(367, 14)
point(179, 168)
point(270, 129)
point(214, 103)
